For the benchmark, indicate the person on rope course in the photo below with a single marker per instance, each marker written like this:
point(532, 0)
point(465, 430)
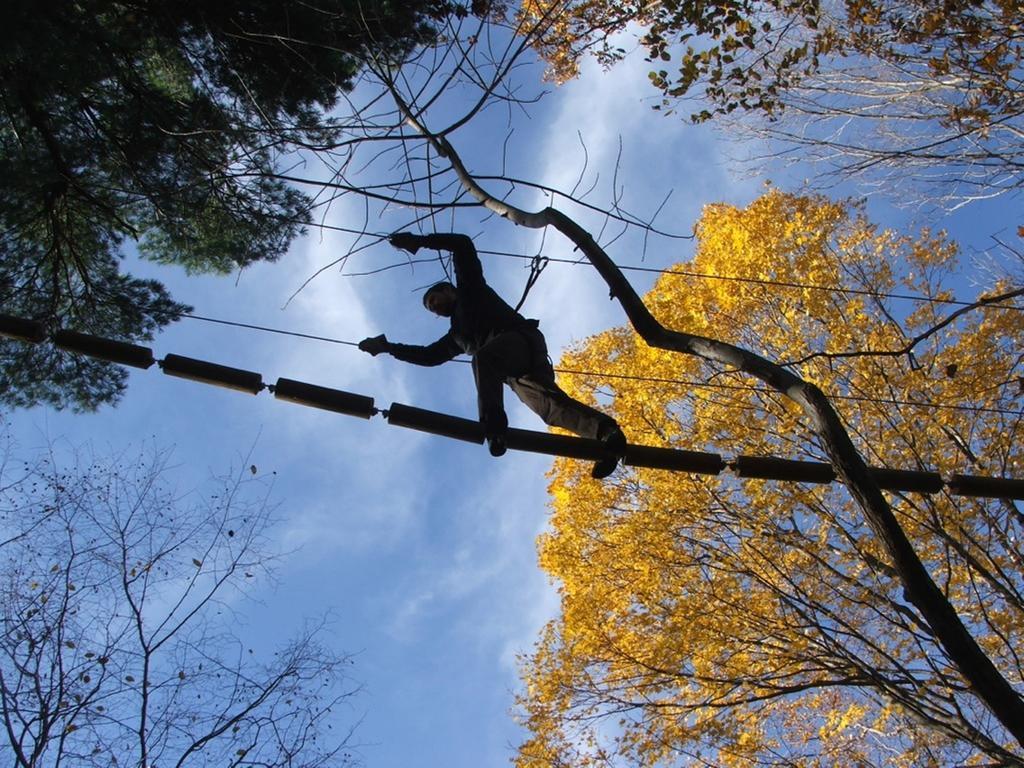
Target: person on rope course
point(506, 349)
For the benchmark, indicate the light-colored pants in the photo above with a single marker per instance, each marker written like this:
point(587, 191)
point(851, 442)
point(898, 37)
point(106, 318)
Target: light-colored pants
point(519, 358)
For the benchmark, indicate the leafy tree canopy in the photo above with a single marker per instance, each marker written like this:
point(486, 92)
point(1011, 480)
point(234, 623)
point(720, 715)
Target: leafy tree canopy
point(745, 54)
point(160, 123)
point(733, 622)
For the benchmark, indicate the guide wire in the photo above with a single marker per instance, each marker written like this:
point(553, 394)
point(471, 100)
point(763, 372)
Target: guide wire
point(624, 376)
point(774, 283)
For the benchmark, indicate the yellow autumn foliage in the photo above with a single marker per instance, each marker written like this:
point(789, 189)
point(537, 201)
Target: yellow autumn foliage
point(717, 621)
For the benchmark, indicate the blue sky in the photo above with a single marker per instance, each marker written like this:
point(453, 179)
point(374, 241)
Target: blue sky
point(422, 550)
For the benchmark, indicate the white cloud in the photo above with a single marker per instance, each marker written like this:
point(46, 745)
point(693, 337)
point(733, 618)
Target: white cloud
point(490, 582)
point(659, 155)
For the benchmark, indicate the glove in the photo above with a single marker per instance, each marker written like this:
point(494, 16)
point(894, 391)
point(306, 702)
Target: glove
point(375, 345)
point(405, 241)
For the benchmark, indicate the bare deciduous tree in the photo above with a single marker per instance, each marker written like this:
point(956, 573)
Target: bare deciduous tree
point(898, 127)
point(921, 101)
point(118, 645)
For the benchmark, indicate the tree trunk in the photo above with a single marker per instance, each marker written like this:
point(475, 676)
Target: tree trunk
point(920, 589)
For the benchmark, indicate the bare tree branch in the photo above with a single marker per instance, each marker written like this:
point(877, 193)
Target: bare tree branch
point(908, 348)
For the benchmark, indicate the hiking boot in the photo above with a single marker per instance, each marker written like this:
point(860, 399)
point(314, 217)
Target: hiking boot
point(496, 443)
point(615, 444)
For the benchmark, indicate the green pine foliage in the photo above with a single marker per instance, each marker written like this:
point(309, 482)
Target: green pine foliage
point(159, 123)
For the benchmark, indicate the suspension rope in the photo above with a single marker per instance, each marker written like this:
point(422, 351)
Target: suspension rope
point(790, 284)
point(646, 379)
point(773, 283)
point(270, 330)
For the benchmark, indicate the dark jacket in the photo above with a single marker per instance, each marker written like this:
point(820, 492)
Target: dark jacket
point(480, 313)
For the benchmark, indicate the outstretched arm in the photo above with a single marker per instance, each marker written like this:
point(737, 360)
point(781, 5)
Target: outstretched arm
point(441, 351)
point(468, 270)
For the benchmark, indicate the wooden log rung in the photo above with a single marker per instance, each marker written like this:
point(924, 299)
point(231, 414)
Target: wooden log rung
point(212, 373)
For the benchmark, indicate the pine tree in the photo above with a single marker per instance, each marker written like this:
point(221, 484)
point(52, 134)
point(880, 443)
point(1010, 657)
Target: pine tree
point(160, 125)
